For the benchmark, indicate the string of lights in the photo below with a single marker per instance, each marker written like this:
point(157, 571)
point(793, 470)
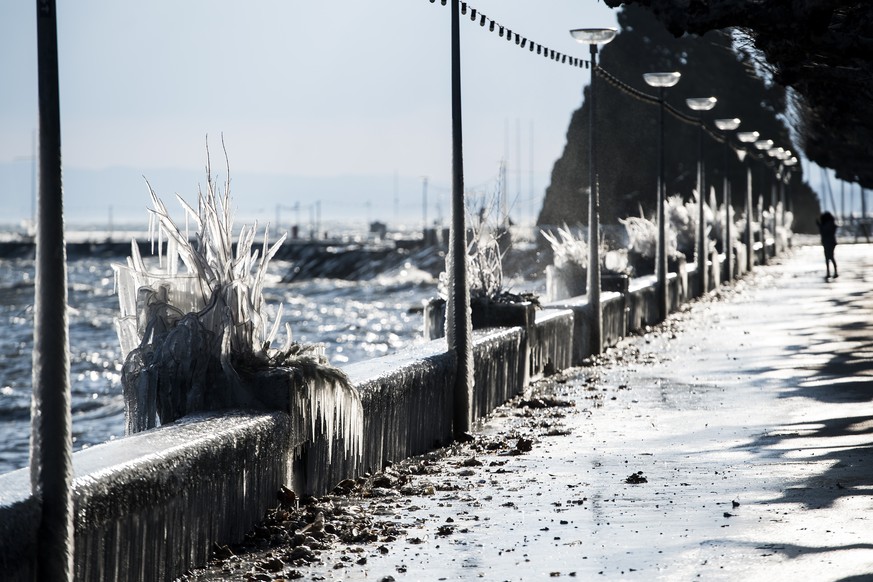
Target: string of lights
point(521, 42)
point(652, 99)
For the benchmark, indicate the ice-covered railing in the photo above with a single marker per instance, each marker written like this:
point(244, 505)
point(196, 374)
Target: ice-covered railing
point(198, 338)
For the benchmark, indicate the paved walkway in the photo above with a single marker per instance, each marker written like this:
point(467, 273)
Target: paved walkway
point(746, 420)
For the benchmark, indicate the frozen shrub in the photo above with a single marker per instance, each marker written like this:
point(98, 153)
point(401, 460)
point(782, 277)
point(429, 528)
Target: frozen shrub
point(194, 331)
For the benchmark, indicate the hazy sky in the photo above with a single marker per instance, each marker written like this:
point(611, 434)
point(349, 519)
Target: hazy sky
point(316, 90)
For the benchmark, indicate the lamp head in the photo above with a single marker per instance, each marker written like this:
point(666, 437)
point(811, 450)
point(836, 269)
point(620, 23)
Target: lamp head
point(764, 144)
point(662, 79)
point(727, 124)
point(593, 35)
point(748, 136)
point(701, 103)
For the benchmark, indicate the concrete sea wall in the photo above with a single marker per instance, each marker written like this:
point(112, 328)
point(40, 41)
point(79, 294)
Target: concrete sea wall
point(151, 506)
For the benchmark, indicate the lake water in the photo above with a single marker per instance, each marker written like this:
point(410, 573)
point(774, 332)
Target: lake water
point(355, 320)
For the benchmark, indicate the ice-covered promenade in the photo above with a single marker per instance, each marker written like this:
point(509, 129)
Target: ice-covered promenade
point(732, 443)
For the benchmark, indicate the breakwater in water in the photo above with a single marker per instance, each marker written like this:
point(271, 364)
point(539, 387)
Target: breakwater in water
point(149, 507)
point(327, 258)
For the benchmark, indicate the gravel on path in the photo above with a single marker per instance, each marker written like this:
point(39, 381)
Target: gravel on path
point(731, 442)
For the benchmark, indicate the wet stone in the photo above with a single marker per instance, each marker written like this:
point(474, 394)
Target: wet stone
point(636, 478)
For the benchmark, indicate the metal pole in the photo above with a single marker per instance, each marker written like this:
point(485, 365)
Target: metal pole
point(661, 264)
point(593, 222)
point(51, 470)
point(459, 333)
point(701, 216)
point(424, 204)
point(517, 168)
point(761, 221)
point(774, 201)
point(533, 214)
point(843, 200)
point(749, 247)
point(726, 194)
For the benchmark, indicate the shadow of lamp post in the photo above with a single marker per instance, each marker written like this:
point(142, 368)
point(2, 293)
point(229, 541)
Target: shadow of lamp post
point(701, 104)
point(726, 125)
point(661, 81)
point(593, 37)
point(748, 137)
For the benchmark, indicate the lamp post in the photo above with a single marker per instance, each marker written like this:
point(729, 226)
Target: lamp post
point(593, 37)
point(785, 168)
point(661, 81)
point(459, 328)
point(777, 153)
point(763, 145)
point(726, 125)
point(748, 137)
point(701, 104)
point(51, 468)
point(789, 165)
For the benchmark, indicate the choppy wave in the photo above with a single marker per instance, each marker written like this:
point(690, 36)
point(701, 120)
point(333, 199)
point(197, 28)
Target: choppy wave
point(356, 320)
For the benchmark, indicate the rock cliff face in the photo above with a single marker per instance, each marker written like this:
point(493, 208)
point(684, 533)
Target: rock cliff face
point(823, 49)
point(627, 128)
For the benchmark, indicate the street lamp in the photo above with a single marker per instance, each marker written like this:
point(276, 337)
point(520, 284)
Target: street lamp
point(779, 155)
point(748, 137)
point(783, 155)
point(764, 146)
point(661, 81)
point(726, 125)
point(789, 164)
point(701, 104)
point(592, 37)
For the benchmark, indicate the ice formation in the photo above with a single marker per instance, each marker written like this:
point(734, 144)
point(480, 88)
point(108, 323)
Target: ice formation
point(199, 338)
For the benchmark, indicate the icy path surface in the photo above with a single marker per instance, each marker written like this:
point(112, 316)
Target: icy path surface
point(731, 443)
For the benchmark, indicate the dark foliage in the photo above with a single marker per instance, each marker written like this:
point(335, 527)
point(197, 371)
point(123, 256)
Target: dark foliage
point(823, 49)
point(627, 127)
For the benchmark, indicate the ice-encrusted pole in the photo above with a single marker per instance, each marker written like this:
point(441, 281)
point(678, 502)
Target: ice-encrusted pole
point(51, 471)
point(459, 328)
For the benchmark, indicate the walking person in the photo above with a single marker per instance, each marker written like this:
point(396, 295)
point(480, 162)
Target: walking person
point(827, 228)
